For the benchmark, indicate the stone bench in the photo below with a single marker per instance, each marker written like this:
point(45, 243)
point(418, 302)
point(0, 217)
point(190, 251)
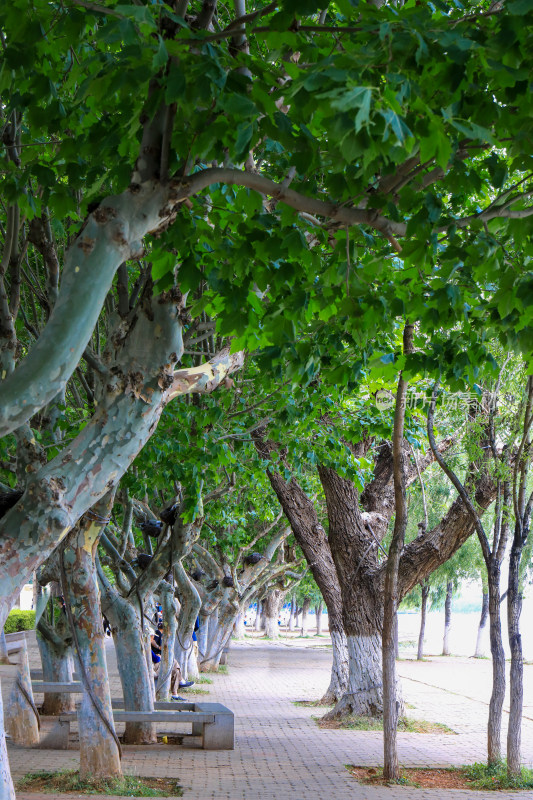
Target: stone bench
point(54, 687)
point(212, 723)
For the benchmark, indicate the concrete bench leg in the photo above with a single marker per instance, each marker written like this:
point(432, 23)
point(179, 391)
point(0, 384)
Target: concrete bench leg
point(220, 734)
point(57, 737)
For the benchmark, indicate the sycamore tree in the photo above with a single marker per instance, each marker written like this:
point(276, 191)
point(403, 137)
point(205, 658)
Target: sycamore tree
point(274, 167)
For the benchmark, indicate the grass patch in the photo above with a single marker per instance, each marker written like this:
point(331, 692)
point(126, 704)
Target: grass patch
point(405, 724)
point(311, 704)
point(495, 777)
point(223, 670)
point(203, 679)
point(194, 691)
point(128, 785)
point(479, 777)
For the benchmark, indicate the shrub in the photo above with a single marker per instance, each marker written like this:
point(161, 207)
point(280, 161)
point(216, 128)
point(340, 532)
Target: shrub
point(19, 621)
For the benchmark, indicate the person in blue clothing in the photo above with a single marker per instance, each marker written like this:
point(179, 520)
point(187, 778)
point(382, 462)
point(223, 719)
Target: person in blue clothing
point(176, 680)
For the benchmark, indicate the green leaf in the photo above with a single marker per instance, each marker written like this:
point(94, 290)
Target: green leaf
point(520, 6)
point(161, 56)
point(176, 84)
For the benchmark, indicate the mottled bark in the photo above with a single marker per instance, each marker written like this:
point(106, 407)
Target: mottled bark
point(58, 666)
point(136, 674)
point(21, 720)
point(99, 750)
point(4, 655)
point(168, 641)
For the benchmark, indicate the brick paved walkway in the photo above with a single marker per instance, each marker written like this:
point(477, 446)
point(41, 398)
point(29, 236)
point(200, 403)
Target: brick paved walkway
point(281, 754)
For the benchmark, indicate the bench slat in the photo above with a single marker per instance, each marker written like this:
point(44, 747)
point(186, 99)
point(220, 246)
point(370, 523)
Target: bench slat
point(162, 716)
point(51, 687)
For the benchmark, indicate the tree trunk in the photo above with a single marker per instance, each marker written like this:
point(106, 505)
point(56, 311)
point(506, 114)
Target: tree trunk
point(480, 647)
point(516, 674)
point(494, 725)
point(21, 719)
point(239, 629)
point(271, 607)
point(423, 611)
point(447, 619)
point(136, 674)
point(391, 597)
point(58, 666)
point(305, 616)
point(99, 749)
point(226, 620)
point(339, 671)
point(4, 655)
point(202, 635)
point(7, 790)
point(258, 615)
point(292, 617)
point(191, 604)
point(362, 600)
point(318, 617)
point(311, 536)
point(168, 642)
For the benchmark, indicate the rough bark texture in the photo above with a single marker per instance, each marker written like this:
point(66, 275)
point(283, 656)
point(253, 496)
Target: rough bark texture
point(494, 724)
point(311, 537)
point(516, 674)
point(391, 768)
point(362, 603)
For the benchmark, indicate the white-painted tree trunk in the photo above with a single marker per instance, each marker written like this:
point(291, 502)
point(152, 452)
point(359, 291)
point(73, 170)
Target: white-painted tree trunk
point(271, 627)
point(338, 683)
point(364, 696)
point(292, 618)
point(239, 629)
point(305, 617)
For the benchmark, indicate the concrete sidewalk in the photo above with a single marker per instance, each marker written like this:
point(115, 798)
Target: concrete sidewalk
point(280, 752)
